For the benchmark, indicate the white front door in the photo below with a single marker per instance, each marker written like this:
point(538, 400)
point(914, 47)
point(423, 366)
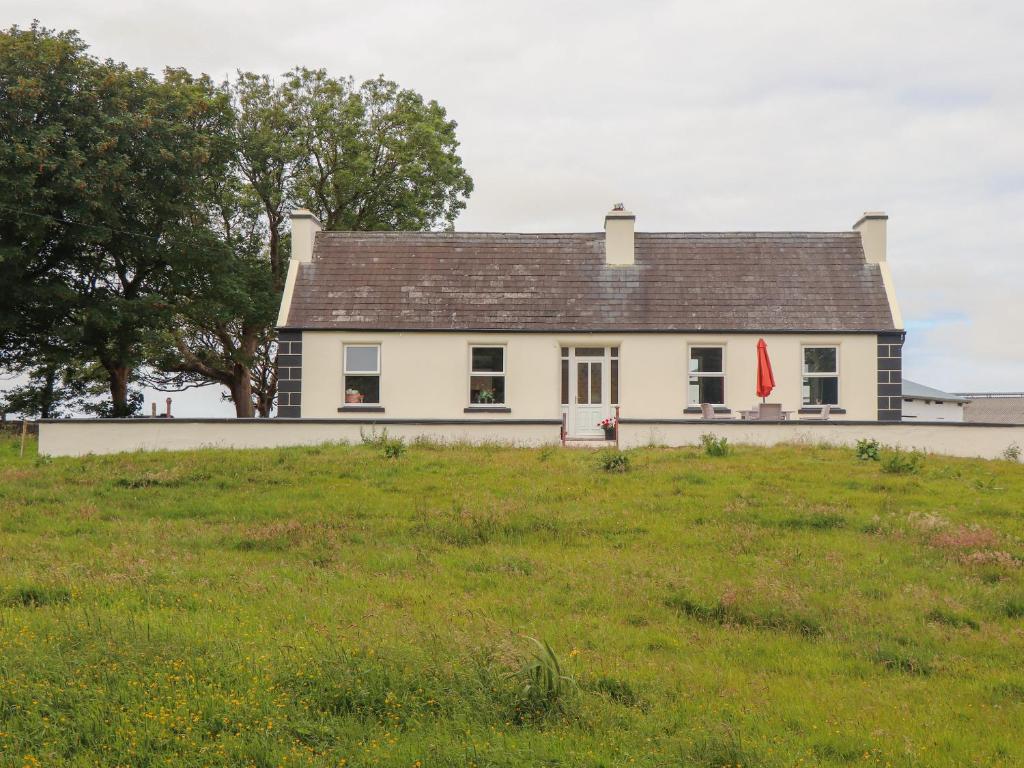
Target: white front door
point(590, 396)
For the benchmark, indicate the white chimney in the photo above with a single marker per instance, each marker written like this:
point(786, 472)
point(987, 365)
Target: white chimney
point(872, 235)
point(304, 228)
point(619, 227)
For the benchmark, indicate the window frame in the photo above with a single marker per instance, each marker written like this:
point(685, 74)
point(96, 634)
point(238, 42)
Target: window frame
point(503, 374)
point(345, 373)
point(834, 374)
point(700, 374)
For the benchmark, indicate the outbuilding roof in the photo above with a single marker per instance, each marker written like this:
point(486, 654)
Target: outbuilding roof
point(443, 281)
point(913, 390)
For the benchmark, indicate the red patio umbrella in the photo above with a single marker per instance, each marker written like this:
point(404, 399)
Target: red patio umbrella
point(765, 378)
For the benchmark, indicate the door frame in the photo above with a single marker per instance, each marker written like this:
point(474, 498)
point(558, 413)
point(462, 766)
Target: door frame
point(573, 430)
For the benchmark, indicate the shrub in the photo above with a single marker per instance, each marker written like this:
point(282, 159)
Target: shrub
point(544, 684)
point(613, 461)
point(903, 462)
point(715, 446)
point(868, 450)
point(1012, 452)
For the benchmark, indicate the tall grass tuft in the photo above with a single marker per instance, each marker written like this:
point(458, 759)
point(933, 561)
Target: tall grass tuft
point(613, 461)
point(903, 462)
point(715, 446)
point(544, 684)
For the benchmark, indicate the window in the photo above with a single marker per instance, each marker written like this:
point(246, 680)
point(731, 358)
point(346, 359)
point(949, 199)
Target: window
point(487, 376)
point(707, 375)
point(362, 374)
point(821, 376)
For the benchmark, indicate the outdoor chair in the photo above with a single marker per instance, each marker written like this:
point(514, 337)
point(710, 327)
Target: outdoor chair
point(769, 412)
point(707, 411)
point(822, 416)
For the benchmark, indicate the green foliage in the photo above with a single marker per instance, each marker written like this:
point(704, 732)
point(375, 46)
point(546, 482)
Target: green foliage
point(868, 450)
point(611, 460)
point(304, 606)
point(35, 597)
point(1014, 607)
point(715, 446)
point(953, 619)
point(895, 658)
point(544, 685)
point(102, 168)
point(619, 691)
point(389, 447)
point(730, 614)
point(144, 221)
point(1012, 453)
point(903, 462)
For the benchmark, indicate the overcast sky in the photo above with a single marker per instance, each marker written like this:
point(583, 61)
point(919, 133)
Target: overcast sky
point(699, 116)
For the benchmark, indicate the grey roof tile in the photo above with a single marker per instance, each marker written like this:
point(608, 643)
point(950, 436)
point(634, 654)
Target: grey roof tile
point(522, 282)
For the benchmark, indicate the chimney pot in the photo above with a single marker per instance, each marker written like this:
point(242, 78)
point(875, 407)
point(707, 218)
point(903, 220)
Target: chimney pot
point(619, 237)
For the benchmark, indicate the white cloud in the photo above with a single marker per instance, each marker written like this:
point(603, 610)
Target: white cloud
point(700, 116)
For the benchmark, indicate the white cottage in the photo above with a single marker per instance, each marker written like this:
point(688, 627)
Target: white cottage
point(455, 328)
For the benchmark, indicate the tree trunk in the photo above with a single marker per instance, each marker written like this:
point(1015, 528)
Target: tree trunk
point(119, 378)
point(47, 396)
point(241, 391)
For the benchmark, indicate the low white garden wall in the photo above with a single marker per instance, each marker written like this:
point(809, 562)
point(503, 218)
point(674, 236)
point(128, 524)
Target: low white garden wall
point(987, 441)
point(78, 437)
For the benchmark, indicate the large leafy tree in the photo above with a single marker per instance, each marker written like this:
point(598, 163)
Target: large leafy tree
point(102, 168)
point(374, 157)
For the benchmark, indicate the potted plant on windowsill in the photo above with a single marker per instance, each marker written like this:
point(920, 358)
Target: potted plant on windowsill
point(485, 397)
point(609, 426)
point(353, 396)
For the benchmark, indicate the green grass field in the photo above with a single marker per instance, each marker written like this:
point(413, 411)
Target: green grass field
point(330, 606)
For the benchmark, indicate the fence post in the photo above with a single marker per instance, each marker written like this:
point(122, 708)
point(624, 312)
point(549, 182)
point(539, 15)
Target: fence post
point(616, 427)
point(563, 430)
point(24, 431)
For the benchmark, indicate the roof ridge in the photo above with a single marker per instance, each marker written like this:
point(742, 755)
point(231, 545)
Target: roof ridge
point(480, 233)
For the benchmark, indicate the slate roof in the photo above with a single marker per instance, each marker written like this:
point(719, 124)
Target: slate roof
point(787, 281)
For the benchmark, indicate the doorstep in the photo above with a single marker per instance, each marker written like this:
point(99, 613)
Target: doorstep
point(588, 442)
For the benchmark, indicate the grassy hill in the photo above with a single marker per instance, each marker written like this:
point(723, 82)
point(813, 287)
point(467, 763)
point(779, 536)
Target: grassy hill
point(330, 606)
